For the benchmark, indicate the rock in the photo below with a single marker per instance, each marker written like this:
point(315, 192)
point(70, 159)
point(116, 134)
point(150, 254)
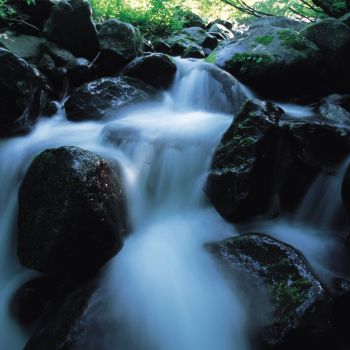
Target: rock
point(72, 212)
point(268, 57)
point(70, 26)
point(79, 72)
point(157, 70)
point(277, 21)
point(332, 109)
point(190, 39)
point(219, 28)
point(190, 19)
point(97, 99)
point(345, 190)
point(227, 24)
point(301, 307)
point(31, 299)
point(240, 181)
point(329, 35)
point(28, 47)
point(60, 55)
point(200, 37)
point(120, 43)
point(65, 320)
point(24, 93)
point(161, 46)
point(35, 13)
point(307, 149)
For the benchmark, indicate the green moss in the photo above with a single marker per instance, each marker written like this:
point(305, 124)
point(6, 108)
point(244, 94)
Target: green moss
point(291, 39)
point(248, 61)
point(264, 39)
point(211, 58)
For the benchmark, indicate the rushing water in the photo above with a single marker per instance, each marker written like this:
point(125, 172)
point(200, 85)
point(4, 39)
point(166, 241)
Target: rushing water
point(167, 292)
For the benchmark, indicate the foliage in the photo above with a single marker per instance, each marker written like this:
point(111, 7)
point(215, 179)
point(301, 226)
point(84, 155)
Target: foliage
point(302, 9)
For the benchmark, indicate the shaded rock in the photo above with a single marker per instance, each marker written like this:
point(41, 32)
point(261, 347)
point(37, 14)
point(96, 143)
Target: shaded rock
point(333, 109)
point(35, 14)
point(97, 99)
point(72, 212)
point(345, 191)
point(194, 52)
point(156, 69)
point(162, 46)
point(277, 21)
point(70, 26)
point(200, 37)
point(24, 46)
point(307, 150)
point(226, 24)
point(31, 299)
point(120, 43)
point(301, 307)
point(240, 181)
point(191, 19)
point(79, 72)
point(24, 93)
point(329, 35)
point(63, 323)
point(221, 29)
point(268, 57)
point(60, 55)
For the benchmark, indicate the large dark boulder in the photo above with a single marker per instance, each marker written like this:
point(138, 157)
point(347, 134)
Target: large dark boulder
point(240, 181)
point(97, 99)
point(269, 269)
point(70, 25)
point(64, 322)
point(120, 43)
point(24, 94)
point(33, 14)
point(72, 212)
point(31, 298)
point(157, 70)
point(277, 62)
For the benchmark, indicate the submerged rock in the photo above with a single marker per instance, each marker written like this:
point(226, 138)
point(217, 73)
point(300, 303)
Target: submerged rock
point(120, 43)
point(24, 94)
point(99, 98)
point(70, 25)
point(278, 62)
point(157, 70)
point(72, 212)
point(301, 308)
point(240, 181)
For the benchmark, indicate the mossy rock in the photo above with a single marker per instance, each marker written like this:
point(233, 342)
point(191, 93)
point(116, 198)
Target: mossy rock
point(276, 61)
point(299, 302)
point(72, 212)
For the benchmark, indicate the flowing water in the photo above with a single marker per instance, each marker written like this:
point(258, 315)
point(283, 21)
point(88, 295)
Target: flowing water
point(167, 292)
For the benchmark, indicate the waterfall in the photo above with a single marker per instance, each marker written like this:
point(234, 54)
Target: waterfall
point(163, 290)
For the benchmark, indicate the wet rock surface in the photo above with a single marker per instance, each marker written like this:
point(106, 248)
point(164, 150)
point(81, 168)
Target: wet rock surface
point(72, 212)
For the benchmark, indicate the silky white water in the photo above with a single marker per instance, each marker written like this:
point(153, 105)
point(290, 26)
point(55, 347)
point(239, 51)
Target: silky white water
point(165, 290)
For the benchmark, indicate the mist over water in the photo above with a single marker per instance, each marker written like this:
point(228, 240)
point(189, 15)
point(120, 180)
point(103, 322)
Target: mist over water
point(163, 290)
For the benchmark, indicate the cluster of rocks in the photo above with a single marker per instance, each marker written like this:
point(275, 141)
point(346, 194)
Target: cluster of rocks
point(72, 203)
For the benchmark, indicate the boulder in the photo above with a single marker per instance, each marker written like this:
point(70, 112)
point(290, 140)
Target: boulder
point(277, 21)
point(240, 181)
point(34, 13)
point(221, 29)
point(227, 24)
point(72, 212)
point(31, 298)
point(79, 72)
point(24, 94)
point(70, 26)
point(335, 109)
point(64, 322)
point(200, 37)
point(330, 35)
point(60, 55)
point(99, 98)
point(157, 70)
point(277, 62)
point(28, 47)
point(301, 307)
point(120, 43)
